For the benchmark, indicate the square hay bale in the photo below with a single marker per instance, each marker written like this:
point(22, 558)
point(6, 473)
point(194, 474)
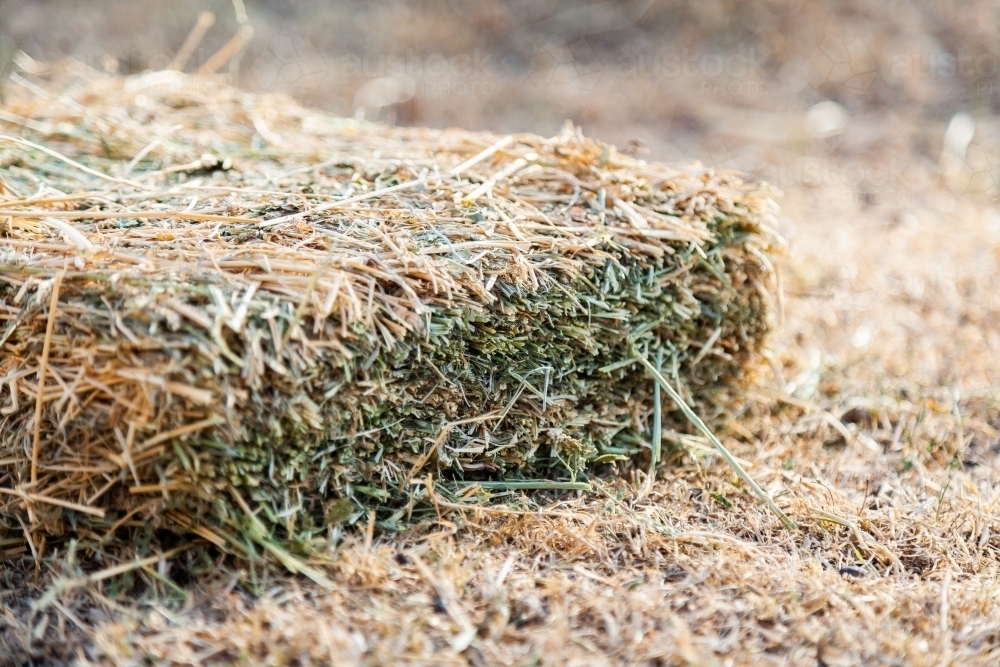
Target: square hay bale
point(215, 301)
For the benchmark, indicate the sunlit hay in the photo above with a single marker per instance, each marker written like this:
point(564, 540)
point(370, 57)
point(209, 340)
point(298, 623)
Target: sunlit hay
point(235, 303)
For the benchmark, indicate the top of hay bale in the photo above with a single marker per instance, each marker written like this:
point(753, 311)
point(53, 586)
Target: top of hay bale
point(207, 293)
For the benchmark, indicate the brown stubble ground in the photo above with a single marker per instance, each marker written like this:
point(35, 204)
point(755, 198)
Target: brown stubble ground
point(895, 563)
point(898, 553)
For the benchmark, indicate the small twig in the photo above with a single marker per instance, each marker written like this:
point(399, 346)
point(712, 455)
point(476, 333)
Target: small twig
point(479, 157)
point(530, 484)
point(707, 347)
point(42, 369)
point(205, 21)
point(228, 50)
point(490, 183)
point(38, 498)
point(72, 234)
point(507, 511)
point(133, 215)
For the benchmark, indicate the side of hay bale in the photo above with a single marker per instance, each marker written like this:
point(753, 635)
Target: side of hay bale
point(274, 304)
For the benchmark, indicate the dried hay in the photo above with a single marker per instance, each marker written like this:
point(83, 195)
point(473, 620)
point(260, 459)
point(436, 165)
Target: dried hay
point(230, 316)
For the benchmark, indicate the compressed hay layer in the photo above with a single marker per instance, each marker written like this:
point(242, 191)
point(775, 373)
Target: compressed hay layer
point(232, 297)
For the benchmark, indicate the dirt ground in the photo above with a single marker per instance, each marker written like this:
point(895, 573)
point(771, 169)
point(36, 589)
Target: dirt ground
point(874, 425)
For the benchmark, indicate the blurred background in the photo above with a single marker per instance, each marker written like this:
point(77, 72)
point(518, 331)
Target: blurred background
point(718, 79)
point(876, 119)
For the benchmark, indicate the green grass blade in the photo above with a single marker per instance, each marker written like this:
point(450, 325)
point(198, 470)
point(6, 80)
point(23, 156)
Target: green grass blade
point(700, 425)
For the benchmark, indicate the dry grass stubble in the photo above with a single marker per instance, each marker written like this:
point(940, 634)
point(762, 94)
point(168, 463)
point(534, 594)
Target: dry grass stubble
point(896, 562)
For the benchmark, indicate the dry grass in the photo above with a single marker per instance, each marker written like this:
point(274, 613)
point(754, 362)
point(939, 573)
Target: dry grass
point(876, 432)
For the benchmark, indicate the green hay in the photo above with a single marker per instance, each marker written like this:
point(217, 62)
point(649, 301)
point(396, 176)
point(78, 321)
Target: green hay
point(320, 328)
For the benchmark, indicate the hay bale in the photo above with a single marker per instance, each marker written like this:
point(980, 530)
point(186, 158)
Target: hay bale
point(210, 297)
